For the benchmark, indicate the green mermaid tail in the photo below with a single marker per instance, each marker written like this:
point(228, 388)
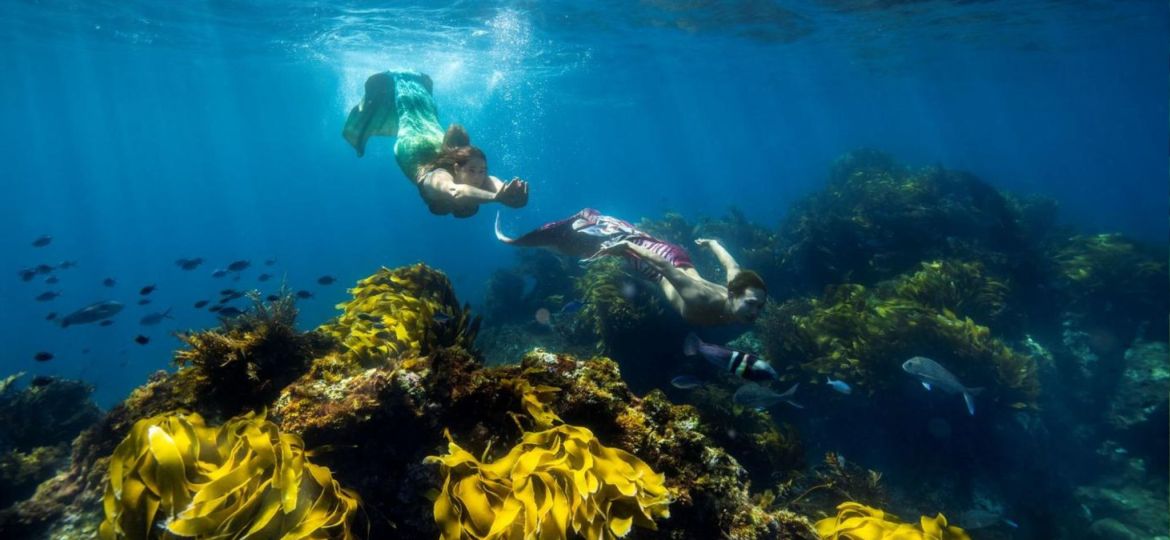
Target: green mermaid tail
point(398, 104)
point(375, 115)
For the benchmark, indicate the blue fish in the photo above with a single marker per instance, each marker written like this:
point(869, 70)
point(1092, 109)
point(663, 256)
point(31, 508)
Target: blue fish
point(685, 382)
point(761, 397)
point(840, 386)
point(572, 307)
point(743, 365)
point(932, 374)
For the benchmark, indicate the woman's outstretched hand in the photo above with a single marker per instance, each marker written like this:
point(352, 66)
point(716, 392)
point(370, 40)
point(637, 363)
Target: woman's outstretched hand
point(513, 194)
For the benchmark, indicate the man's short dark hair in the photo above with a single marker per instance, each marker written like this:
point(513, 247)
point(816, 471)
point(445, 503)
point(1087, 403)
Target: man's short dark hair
point(743, 280)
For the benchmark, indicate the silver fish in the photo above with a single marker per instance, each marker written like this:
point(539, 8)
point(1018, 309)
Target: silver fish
point(155, 318)
point(744, 365)
point(931, 374)
point(92, 313)
point(685, 382)
point(760, 397)
point(981, 518)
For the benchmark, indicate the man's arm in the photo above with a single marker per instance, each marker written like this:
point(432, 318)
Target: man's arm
point(721, 253)
point(672, 273)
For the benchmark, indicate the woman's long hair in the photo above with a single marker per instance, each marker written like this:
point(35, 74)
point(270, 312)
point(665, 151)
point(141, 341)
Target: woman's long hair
point(457, 150)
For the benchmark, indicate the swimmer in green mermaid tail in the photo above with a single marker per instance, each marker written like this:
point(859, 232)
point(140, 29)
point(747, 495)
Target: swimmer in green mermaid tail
point(450, 173)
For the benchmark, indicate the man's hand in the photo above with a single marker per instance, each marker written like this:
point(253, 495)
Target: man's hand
point(616, 249)
point(513, 194)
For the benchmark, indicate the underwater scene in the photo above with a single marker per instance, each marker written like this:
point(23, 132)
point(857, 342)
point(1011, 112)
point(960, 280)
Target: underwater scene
point(743, 269)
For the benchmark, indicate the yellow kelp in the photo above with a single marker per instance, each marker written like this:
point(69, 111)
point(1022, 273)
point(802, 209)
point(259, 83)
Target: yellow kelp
point(401, 313)
point(856, 521)
point(553, 482)
point(175, 477)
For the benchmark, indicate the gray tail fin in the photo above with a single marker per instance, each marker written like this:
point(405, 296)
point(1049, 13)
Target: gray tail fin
point(691, 345)
point(789, 394)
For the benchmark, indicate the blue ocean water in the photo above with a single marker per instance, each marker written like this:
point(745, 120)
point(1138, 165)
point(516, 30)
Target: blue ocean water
point(136, 133)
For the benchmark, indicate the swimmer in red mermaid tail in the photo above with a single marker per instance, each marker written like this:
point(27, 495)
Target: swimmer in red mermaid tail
point(450, 173)
point(588, 235)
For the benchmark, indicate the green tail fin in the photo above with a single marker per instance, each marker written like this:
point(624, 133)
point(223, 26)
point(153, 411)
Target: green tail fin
point(376, 115)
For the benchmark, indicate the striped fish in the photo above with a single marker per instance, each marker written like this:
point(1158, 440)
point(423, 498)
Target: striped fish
point(743, 365)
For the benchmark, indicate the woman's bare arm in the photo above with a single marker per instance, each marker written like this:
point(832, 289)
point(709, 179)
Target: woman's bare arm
point(441, 182)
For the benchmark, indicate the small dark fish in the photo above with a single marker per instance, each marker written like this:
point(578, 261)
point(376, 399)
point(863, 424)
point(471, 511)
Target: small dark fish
point(200, 304)
point(106, 322)
point(224, 300)
point(370, 317)
point(272, 297)
point(326, 280)
point(43, 356)
point(304, 295)
point(65, 265)
point(760, 397)
point(48, 295)
point(92, 313)
point(28, 274)
point(226, 292)
point(52, 315)
point(932, 374)
point(189, 264)
point(229, 311)
point(572, 307)
point(144, 301)
point(441, 317)
point(239, 265)
point(109, 282)
point(141, 339)
point(263, 277)
point(155, 318)
point(147, 290)
point(685, 382)
point(43, 269)
point(51, 280)
point(42, 240)
point(41, 381)
point(219, 272)
point(383, 335)
point(270, 262)
point(744, 365)
point(215, 308)
point(85, 350)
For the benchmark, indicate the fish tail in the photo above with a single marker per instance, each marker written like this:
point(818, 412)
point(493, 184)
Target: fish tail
point(791, 391)
point(970, 399)
point(691, 344)
point(500, 232)
point(788, 395)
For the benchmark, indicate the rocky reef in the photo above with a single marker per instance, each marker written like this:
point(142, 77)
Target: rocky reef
point(399, 417)
point(400, 429)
